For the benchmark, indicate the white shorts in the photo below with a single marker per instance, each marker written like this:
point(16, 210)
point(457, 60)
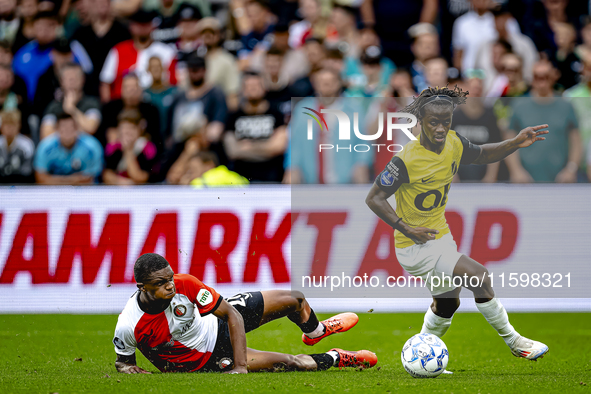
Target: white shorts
point(433, 258)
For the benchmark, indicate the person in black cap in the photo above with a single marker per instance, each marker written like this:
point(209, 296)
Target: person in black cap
point(133, 55)
point(187, 25)
point(200, 100)
point(169, 26)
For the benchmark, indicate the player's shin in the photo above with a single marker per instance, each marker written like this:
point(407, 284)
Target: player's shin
point(495, 314)
point(312, 327)
point(434, 324)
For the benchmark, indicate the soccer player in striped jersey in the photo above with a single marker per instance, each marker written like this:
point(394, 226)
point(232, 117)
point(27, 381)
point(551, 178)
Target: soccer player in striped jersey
point(420, 177)
point(181, 325)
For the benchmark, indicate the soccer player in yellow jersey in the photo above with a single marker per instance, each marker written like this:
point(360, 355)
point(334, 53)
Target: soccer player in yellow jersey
point(420, 178)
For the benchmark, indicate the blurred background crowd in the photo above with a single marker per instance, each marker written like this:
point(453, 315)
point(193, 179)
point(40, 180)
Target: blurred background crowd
point(199, 91)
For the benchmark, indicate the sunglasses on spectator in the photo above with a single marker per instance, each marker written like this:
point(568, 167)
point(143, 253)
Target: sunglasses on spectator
point(542, 77)
point(511, 69)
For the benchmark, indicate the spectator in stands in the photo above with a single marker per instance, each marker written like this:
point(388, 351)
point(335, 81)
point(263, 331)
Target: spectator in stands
point(16, 150)
point(255, 138)
point(313, 24)
point(276, 83)
point(372, 83)
point(187, 24)
point(201, 98)
point(557, 160)
point(565, 59)
point(347, 38)
point(26, 26)
point(131, 99)
point(19, 87)
point(294, 65)
point(9, 21)
point(512, 67)
point(203, 170)
point(49, 87)
point(495, 80)
point(85, 110)
point(477, 123)
point(470, 31)
point(316, 54)
point(222, 68)
point(170, 26)
point(585, 47)
point(68, 157)
point(98, 37)
point(134, 55)
point(201, 103)
point(160, 94)
point(436, 72)
point(579, 96)
point(129, 160)
point(255, 25)
point(169, 11)
point(354, 69)
point(425, 46)
point(308, 165)
point(33, 59)
point(489, 54)
point(176, 164)
point(391, 20)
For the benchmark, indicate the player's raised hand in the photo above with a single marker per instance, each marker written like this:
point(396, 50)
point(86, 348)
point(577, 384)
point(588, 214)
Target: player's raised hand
point(420, 235)
point(529, 135)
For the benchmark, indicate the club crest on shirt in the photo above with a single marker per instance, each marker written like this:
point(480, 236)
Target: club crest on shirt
point(180, 310)
point(386, 179)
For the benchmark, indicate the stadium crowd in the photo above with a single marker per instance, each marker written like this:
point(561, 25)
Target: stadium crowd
point(197, 92)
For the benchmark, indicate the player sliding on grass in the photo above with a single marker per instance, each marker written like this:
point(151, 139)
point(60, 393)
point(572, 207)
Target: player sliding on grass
point(181, 325)
point(420, 177)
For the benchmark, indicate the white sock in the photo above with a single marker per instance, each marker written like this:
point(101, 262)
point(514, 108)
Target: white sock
point(317, 332)
point(495, 314)
point(434, 324)
point(335, 357)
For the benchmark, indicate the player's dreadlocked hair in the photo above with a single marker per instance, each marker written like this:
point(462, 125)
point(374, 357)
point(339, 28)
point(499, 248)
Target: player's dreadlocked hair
point(436, 96)
point(146, 264)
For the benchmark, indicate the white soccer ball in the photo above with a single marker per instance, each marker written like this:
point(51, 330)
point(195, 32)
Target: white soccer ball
point(424, 356)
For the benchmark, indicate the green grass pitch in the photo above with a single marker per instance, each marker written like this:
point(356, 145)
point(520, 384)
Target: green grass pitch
point(41, 354)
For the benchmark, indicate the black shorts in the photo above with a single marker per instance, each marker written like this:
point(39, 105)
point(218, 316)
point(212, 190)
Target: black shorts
point(251, 306)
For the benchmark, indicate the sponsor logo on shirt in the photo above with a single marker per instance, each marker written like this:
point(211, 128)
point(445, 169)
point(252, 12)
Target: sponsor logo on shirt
point(204, 297)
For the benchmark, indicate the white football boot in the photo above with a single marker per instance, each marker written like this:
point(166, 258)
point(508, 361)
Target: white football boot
point(529, 349)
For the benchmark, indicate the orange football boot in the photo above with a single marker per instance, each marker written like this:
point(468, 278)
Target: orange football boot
point(339, 323)
point(361, 358)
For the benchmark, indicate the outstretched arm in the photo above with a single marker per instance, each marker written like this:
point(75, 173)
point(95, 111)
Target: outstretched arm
point(126, 364)
point(491, 153)
point(237, 334)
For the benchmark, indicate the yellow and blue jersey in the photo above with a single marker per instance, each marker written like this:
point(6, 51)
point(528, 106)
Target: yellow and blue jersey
point(421, 179)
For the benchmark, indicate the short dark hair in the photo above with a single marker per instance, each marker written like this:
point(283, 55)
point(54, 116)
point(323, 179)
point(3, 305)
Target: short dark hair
point(63, 116)
point(131, 116)
point(146, 265)
point(275, 51)
point(207, 157)
point(5, 46)
point(505, 44)
point(46, 15)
